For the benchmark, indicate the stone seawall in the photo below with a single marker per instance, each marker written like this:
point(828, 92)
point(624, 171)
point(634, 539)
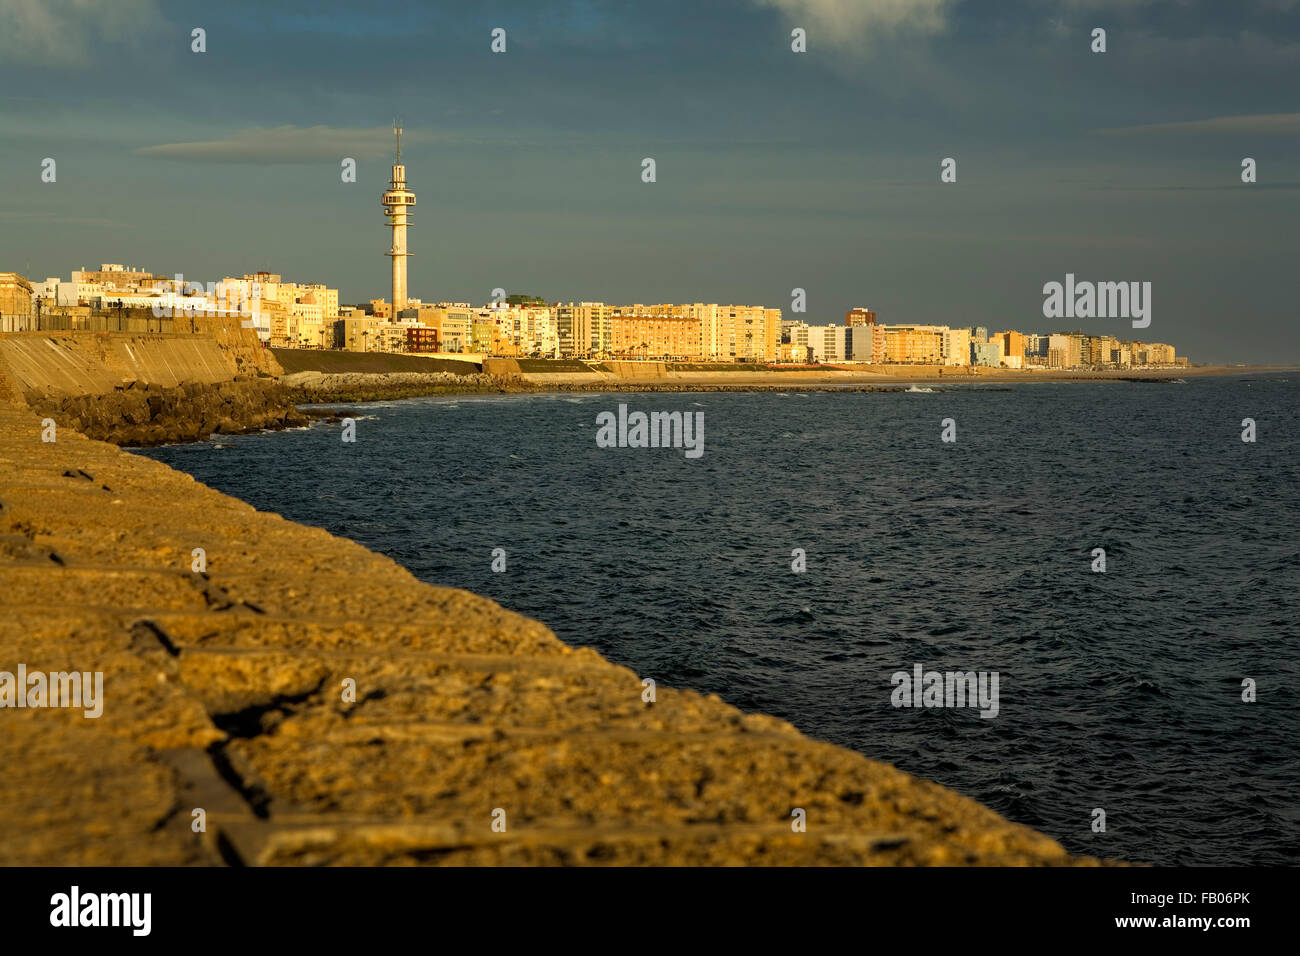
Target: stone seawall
point(148, 388)
point(94, 363)
point(310, 702)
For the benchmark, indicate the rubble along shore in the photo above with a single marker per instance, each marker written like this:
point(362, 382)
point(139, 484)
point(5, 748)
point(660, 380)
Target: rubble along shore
point(145, 414)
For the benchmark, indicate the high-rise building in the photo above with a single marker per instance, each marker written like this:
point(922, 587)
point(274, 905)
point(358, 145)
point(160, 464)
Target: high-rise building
point(1075, 358)
point(755, 331)
point(1013, 344)
point(585, 328)
point(667, 337)
point(987, 353)
point(744, 333)
point(828, 342)
point(914, 344)
point(397, 200)
point(864, 342)
point(956, 346)
point(859, 316)
point(1058, 350)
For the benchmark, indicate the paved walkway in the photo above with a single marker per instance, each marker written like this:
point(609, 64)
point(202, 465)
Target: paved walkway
point(225, 691)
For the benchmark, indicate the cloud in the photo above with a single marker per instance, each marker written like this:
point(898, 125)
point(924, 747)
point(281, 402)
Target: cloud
point(1268, 124)
point(856, 23)
point(68, 33)
point(282, 145)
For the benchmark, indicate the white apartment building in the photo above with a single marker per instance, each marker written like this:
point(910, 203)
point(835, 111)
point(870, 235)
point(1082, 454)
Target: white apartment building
point(826, 341)
point(955, 346)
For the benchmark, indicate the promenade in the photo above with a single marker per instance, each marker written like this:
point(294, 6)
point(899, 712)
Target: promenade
point(474, 736)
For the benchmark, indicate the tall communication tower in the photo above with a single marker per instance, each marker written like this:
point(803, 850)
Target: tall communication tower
point(396, 201)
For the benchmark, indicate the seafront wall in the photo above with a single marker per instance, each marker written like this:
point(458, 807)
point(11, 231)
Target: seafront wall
point(148, 388)
point(95, 363)
point(297, 699)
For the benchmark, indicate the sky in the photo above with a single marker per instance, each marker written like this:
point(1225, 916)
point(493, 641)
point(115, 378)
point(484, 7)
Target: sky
point(775, 170)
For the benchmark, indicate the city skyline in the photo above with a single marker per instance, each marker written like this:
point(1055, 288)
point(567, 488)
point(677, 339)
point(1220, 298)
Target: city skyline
point(775, 170)
point(309, 316)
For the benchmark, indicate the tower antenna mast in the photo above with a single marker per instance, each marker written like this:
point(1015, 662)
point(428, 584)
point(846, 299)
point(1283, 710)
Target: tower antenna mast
point(398, 201)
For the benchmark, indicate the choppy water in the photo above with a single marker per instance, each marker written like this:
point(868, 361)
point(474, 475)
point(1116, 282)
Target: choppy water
point(1119, 691)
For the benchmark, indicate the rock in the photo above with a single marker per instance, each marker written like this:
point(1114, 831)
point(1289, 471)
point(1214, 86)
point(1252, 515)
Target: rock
point(153, 415)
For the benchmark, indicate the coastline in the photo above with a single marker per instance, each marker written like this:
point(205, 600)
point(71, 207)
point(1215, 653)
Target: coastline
point(310, 387)
point(334, 377)
point(223, 692)
point(151, 389)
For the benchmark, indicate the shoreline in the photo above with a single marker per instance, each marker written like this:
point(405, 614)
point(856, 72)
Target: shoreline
point(222, 691)
point(332, 388)
point(143, 415)
point(144, 390)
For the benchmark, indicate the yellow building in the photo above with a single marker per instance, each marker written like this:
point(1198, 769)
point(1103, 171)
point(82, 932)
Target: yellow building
point(755, 332)
point(361, 334)
point(482, 333)
point(914, 344)
point(1013, 344)
point(15, 302)
point(455, 326)
point(584, 328)
point(655, 336)
point(728, 333)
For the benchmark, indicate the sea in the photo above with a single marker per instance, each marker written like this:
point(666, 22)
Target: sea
point(826, 543)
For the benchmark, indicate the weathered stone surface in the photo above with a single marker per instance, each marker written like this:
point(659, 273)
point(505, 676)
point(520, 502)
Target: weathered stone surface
point(142, 414)
point(224, 691)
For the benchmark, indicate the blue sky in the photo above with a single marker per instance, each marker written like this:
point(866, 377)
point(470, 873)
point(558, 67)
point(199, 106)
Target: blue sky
point(775, 170)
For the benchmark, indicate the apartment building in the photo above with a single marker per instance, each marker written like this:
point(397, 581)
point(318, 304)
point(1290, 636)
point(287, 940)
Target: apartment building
point(956, 346)
point(669, 337)
point(987, 353)
point(584, 328)
point(1013, 346)
point(914, 344)
point(864, 342)
point(829, 343)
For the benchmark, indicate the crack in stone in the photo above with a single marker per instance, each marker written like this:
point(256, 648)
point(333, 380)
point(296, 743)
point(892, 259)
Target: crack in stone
point(143, 631)
point(254, 793)
point(244, 724)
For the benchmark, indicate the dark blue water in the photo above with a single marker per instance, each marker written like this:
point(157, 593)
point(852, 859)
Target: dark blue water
point(1120, 691)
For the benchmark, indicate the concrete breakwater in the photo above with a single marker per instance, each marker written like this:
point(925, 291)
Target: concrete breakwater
point(297, 699)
